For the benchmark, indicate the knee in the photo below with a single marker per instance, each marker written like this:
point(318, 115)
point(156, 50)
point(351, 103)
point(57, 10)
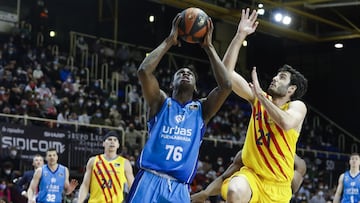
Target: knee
point(233, 195)
point(239, 193)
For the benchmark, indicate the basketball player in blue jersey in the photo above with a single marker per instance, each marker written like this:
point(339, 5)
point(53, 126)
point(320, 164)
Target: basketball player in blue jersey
point(348, 189)
point(176, 124)
point(50, 180)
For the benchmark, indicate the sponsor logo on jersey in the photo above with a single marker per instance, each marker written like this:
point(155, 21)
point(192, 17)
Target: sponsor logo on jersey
point(179, 118)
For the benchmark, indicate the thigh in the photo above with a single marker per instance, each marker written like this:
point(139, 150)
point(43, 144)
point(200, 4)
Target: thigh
point(276, 192)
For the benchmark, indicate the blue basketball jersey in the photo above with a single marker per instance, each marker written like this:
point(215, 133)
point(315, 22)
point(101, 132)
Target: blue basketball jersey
point(175, 136)
point(351, 188)
point(51, 185)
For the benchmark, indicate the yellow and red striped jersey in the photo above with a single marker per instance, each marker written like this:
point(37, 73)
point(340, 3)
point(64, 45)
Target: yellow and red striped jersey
point(107, 180)
point(268, 149)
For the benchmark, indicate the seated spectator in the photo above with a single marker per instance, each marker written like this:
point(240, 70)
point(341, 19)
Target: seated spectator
point(84, 118)
point(42, 90)
point(97, 118)
point(12, 159)
point(5, 192)
point(67, 86)
point(4, 119)
point(31, 86)
point(38, 74)
point(8, 173)
point(132, 137)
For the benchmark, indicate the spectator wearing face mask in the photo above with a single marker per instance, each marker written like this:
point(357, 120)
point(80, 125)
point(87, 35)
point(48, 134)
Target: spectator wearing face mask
point(7, 172)
point(78, 105)
point(5, 193)
point(318, 197)
point(38, 74)
point(42, 90)
point(13, 158)
point(84, 118)
point(31, 86)
point(67, 86)
point(97, 118)
point(133, 137)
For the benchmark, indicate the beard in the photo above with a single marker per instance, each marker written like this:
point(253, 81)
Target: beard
point(277, 92)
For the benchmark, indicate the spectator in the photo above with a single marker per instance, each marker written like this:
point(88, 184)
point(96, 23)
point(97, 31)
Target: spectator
point(5, 192)
point(97, 118)
point(132, 137)
point(65, 73)
point(43, 90)
point(318, 198)
point(38, 74)
point(13, 158)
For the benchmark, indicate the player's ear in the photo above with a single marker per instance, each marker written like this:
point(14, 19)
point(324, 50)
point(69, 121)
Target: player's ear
point(172, 85)
point(292, 89)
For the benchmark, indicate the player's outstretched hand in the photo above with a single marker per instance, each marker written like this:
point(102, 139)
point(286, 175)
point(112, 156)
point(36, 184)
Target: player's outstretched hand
point(248, 23)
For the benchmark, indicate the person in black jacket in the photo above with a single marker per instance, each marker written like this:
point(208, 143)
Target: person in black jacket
point(24, 182)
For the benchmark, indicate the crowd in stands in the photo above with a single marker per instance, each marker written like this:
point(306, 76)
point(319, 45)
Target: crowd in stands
point(38, 82)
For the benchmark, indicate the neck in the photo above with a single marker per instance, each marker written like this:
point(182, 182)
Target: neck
point(354, 171)
point(182, 96)
point(53, 166)
point(110, 155)
point(279, 101)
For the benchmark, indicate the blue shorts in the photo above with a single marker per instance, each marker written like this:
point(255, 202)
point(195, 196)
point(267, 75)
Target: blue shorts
point(153, 188)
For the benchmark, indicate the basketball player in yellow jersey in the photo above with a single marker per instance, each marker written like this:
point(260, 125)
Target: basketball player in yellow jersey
point(277, 116)
point(106, 174)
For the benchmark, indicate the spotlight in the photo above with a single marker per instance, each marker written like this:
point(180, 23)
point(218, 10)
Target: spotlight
point(283, 18)
point(261, 11)
point(278, 17)
point(339, 45)
point(151, 18)
point(286, 20)
point(245, 43)
point(52, 33)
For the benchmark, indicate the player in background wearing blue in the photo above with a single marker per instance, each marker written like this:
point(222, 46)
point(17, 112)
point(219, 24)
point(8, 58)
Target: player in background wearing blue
point(348, 189)
point(50, 180)
point(176, 124)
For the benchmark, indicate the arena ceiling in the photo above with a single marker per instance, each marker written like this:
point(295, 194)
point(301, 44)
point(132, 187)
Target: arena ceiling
point(312, 20)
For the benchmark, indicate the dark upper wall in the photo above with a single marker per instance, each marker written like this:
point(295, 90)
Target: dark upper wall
point(332, 74)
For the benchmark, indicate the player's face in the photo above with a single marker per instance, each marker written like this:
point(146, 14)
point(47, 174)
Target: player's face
point(184, 76)
point(111, 143)
point(51, 157)
point(38, 161)
point(280, 84)
point(354, 160)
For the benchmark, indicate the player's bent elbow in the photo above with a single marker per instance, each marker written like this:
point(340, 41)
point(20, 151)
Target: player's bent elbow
point(300, 166)
point(141, 71)
point(226, 86)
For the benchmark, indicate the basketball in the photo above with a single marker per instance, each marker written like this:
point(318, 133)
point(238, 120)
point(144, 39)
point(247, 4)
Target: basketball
point(193, 25)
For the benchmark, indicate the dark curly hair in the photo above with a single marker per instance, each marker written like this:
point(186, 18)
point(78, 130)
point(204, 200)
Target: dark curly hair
point(296, 79)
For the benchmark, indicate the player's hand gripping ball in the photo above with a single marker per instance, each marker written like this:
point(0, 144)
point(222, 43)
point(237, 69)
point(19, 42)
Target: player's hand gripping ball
point(193, 25)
